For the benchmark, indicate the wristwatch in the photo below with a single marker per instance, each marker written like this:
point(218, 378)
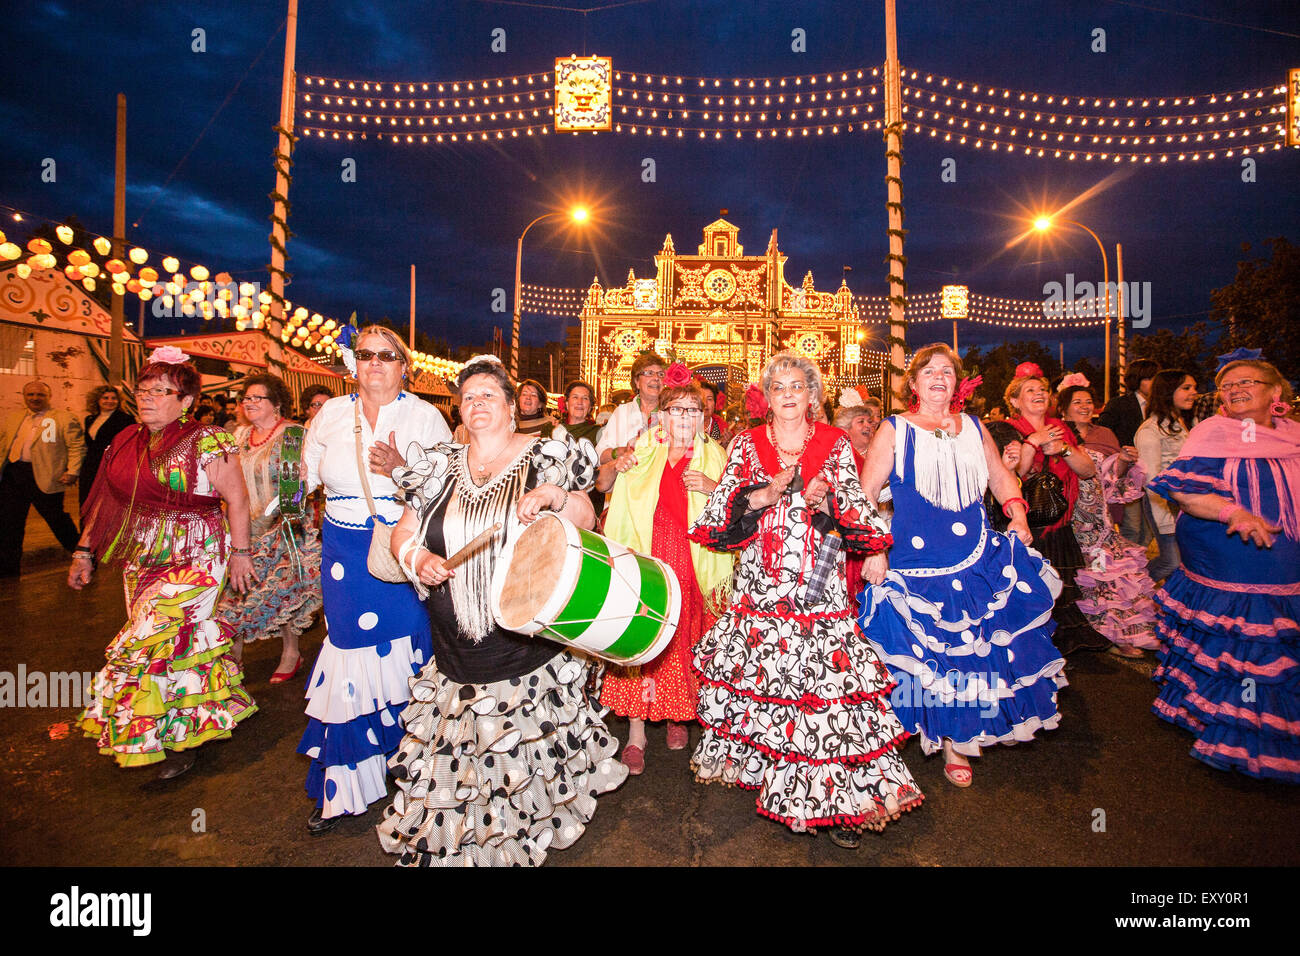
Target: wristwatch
point(1065, 452)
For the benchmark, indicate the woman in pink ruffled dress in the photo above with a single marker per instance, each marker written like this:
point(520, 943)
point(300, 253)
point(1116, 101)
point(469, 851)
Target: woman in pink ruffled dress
point(1116, 593)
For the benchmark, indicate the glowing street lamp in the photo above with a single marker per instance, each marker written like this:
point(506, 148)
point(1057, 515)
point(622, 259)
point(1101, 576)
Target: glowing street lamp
point(1043, 224)
point(578, 214)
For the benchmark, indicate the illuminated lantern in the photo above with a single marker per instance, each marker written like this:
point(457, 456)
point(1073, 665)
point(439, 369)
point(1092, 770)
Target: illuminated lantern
point(299, 313)
point(90, 269)
point(2, 236)
point(47, 261)
point(138, 256)
point(23, 270)
point(72, 272)
point(89, 283)
point(145, 295)
point(199, 273)
point(180, 280)
point(119, 289)
point(223, 278)
point(115, 266)
point(38, 246)
point(330, 325)
point(148, 276)
point(240, 325)
point(78, 257)
point(258, 317)
point(103, 246)
point(64, 233)
point(316, 319)
point(170, 264)
point(10, 250)
point(172, 288)
point(264, 298)
point(133, 285)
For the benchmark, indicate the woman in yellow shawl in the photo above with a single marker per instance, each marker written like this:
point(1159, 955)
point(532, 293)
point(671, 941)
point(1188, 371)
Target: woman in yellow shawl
point(659, 489)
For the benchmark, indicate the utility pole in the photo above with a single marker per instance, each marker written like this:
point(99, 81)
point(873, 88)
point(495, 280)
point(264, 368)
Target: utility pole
point(280, 212)
point(894, 205)
point(116, 348)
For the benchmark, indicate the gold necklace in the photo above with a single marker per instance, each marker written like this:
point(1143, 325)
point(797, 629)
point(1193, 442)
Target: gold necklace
point(483, 466)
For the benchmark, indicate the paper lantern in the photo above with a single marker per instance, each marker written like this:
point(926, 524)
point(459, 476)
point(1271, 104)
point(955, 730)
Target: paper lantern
point(90, 269)
point(89, 283)
point(64, 233)
point(103, 246)
point(119, 289)
point(138, 256)
point(264, 298)
point(46, 261)
point(146, 295)
point(10, 250)
point(199, 273)
point(133, 285)
point(180, 280)
point(23, 270)
point(72, 272)
point(38, 246)
point(3, 238)
point(170, 264)
point(240, 325)
point(148, 276)
point(115, 266)
point(330, 325)
point(223, 278)
point(78, 257)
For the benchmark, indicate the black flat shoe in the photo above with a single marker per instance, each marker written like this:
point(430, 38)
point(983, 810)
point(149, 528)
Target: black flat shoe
point(848, 839)
point(316, 824)
point(177, 765)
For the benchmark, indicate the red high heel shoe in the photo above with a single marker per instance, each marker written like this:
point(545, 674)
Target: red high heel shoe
point(279, 677)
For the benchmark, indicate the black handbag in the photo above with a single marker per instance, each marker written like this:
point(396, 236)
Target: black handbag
point(1044, 495)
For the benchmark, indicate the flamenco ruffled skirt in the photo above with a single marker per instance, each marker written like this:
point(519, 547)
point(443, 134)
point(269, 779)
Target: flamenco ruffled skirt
point(170, 683)
point(1116, 594)
point(1230, 672)
point(795, 707)
point(378, 637)
point(498, 774)
point(972, 648)
point(286, 594)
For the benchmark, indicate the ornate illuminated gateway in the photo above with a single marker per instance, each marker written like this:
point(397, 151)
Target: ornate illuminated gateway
point(724, 314)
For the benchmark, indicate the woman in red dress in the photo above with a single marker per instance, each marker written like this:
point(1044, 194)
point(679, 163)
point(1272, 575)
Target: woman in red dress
point(658, 490)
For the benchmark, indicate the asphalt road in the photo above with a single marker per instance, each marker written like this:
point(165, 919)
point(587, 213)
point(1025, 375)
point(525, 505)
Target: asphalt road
point(1112, 786)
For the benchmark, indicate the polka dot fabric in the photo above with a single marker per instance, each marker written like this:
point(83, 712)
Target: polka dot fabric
point(498, 774)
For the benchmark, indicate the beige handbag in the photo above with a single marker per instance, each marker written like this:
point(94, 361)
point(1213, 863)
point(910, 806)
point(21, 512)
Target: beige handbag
point(380, 562)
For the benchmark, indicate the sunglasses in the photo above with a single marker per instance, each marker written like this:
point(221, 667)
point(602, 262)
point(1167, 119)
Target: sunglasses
point(365, 355)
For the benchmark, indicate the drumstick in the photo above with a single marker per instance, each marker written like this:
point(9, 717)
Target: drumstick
point(461, 556)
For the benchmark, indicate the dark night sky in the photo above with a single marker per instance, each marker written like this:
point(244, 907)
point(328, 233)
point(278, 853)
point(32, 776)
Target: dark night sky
point(455, 210)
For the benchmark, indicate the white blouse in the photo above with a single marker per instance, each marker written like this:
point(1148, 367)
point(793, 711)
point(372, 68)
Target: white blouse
point(330, 452)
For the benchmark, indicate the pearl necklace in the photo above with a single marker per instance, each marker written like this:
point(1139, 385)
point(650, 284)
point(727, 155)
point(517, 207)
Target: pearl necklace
point(781, 453)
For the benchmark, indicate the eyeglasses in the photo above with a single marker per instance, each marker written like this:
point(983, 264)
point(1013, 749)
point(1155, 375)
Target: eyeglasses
point(1243, 383)
point(317, 404)
point(156, 391)
point(387, 355)
point(677, 411)
point(651, 374)
point(254, 399)
point(780, 388)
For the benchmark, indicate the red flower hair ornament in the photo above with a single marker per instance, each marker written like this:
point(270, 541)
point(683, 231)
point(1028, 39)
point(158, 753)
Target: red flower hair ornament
point(755, 402)
point(1028, 370)
point(677, 375)
point(964, 391)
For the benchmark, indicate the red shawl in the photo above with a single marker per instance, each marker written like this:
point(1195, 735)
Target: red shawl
point(1054, 463)
point(132, 516)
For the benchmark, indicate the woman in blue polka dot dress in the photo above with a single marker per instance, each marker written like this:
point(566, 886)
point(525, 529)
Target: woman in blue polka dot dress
point(960, 614)
point(377, 633)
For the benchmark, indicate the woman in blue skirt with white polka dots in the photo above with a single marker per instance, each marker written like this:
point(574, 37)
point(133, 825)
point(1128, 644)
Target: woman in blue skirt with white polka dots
point(959, 613)
point(378, 633)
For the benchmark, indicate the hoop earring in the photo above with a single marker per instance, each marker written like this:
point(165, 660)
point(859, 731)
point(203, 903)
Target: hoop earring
point(1279, 409)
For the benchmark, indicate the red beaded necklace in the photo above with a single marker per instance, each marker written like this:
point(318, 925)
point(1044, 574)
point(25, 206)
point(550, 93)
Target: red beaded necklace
point(259, 444)
point(782, 453)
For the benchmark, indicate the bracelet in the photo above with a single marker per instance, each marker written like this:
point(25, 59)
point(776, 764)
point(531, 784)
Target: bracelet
point(1226, 511)
point(83, 554)
point(1032, 445)
point(1011, 501)
point(564, 503)
point(234, 550)
point(613, 455)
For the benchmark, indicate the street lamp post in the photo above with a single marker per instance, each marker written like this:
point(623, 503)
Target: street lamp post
point(577, 214)
point(1042, 224)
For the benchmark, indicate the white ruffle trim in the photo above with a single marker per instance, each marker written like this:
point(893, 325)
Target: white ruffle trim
point(358, 681)
point(357, 789)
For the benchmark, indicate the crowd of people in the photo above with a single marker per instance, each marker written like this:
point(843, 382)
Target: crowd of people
point(847, 579)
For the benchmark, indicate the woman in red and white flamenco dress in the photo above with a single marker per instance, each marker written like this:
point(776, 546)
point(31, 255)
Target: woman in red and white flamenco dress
point(793, 700)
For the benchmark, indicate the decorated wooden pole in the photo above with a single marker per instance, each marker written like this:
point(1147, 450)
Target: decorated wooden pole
point(280, 197)
point(894, 181)
point(116, 346)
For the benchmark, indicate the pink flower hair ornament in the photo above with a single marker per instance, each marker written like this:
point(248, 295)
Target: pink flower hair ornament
point(677, 375)
point(168, 354)
point(1074, 378)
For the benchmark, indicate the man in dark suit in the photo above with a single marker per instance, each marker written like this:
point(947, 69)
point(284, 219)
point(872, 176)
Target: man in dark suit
point(40, 456)
point(1123, 415)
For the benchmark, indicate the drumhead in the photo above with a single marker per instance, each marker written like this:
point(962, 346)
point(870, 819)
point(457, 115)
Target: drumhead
point(534, 572)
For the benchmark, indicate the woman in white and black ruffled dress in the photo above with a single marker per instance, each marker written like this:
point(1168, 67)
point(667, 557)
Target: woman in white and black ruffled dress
point(504, 753)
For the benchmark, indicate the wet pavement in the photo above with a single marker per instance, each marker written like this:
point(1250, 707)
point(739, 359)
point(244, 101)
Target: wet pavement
point(1112, 786)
